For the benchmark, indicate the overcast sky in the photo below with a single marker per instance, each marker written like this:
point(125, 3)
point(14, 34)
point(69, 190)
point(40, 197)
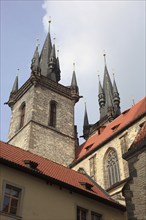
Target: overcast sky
point(83, 31)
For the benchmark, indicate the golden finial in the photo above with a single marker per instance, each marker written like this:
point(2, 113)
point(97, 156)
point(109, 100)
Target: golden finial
point(74, 65)
point(104, 54)
point(49, 22)
point(98, 75)
point(58, 53)
point(54, 38)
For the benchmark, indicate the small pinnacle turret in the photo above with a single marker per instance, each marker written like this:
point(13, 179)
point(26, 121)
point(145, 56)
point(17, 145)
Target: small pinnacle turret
point(74, 86)
point(15, 86)
point(53, 66)
point(116, 98)
point(86, 121)
point(86, 125)
point(13, 92)
point(101, 96)
point(35, 65)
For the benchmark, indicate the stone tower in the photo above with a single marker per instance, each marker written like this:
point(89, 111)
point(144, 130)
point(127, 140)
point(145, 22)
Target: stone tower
point(42, 119)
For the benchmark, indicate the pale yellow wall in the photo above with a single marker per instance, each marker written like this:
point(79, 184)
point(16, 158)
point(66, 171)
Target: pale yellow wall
point(42, 201)
point(100, 153)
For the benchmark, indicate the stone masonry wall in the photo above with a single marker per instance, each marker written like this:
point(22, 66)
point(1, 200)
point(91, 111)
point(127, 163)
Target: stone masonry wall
point(100, 154)
point(135, 190)
point(57, 144)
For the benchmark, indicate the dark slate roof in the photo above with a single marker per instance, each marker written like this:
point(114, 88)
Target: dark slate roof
point(45, 55)
point(86, 121)
point(15, 85)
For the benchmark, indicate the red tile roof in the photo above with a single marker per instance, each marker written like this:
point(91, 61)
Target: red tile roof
point(15, 157)
point(111, 129)
point(140, 137)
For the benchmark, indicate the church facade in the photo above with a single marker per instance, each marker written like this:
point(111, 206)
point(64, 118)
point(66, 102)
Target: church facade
point(42, 123)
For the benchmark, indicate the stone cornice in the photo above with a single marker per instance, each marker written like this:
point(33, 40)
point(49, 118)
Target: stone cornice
point(39, 80)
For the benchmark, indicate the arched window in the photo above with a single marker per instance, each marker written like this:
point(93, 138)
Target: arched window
point(22, 114)
point(52, 121)
point(111, 168)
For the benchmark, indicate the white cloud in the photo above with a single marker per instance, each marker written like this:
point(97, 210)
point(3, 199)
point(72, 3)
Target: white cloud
point(84, 29)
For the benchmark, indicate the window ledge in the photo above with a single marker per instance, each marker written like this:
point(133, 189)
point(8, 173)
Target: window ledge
point(10, 215)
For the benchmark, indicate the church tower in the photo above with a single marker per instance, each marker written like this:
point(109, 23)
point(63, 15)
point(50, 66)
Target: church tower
point(42, 118)
point(108, 98)
point(109, 105)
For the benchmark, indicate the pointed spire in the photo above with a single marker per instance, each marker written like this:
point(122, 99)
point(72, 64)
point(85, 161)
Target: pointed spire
point(107, 86)
point(100, 89)
point(58, 71)
point(45, 54)
point(15, 85)
point(86, 121)
point(116, 98)
point(35, 65)
point(101, 96)
point(74, 80)
point(53, 52)
point(115, 89)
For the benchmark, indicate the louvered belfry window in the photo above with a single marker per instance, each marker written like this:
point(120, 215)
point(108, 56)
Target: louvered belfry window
point(52, 114)
point(112, 168)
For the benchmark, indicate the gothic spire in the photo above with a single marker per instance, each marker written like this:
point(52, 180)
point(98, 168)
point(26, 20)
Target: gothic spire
point(35, 65)
point(52, 65)
point(86, 121)
point(106, 98)
point(86, 125)
point(45, 54)
point(116, 98)
point(15, 86)
point(101, 96)
point(115, 89)
point(74, 80)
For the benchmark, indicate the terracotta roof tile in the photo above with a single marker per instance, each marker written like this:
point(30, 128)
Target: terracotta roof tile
point(51, 169)
point(119, 123)
point(140, 136)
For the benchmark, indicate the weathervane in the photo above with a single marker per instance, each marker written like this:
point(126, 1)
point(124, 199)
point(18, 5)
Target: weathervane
point(104, 56)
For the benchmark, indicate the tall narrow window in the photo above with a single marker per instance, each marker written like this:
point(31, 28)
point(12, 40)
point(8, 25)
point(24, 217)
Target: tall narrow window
point(11, 200)
point(95, 216)
point(92, 162)
point(123, 142)
point(52, 114)
point(22, 115)
point(81, 213)
point(112, 168)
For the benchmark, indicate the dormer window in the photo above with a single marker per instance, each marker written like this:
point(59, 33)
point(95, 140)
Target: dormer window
point(22, 114)
point(87, 186)
point(52, 120)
